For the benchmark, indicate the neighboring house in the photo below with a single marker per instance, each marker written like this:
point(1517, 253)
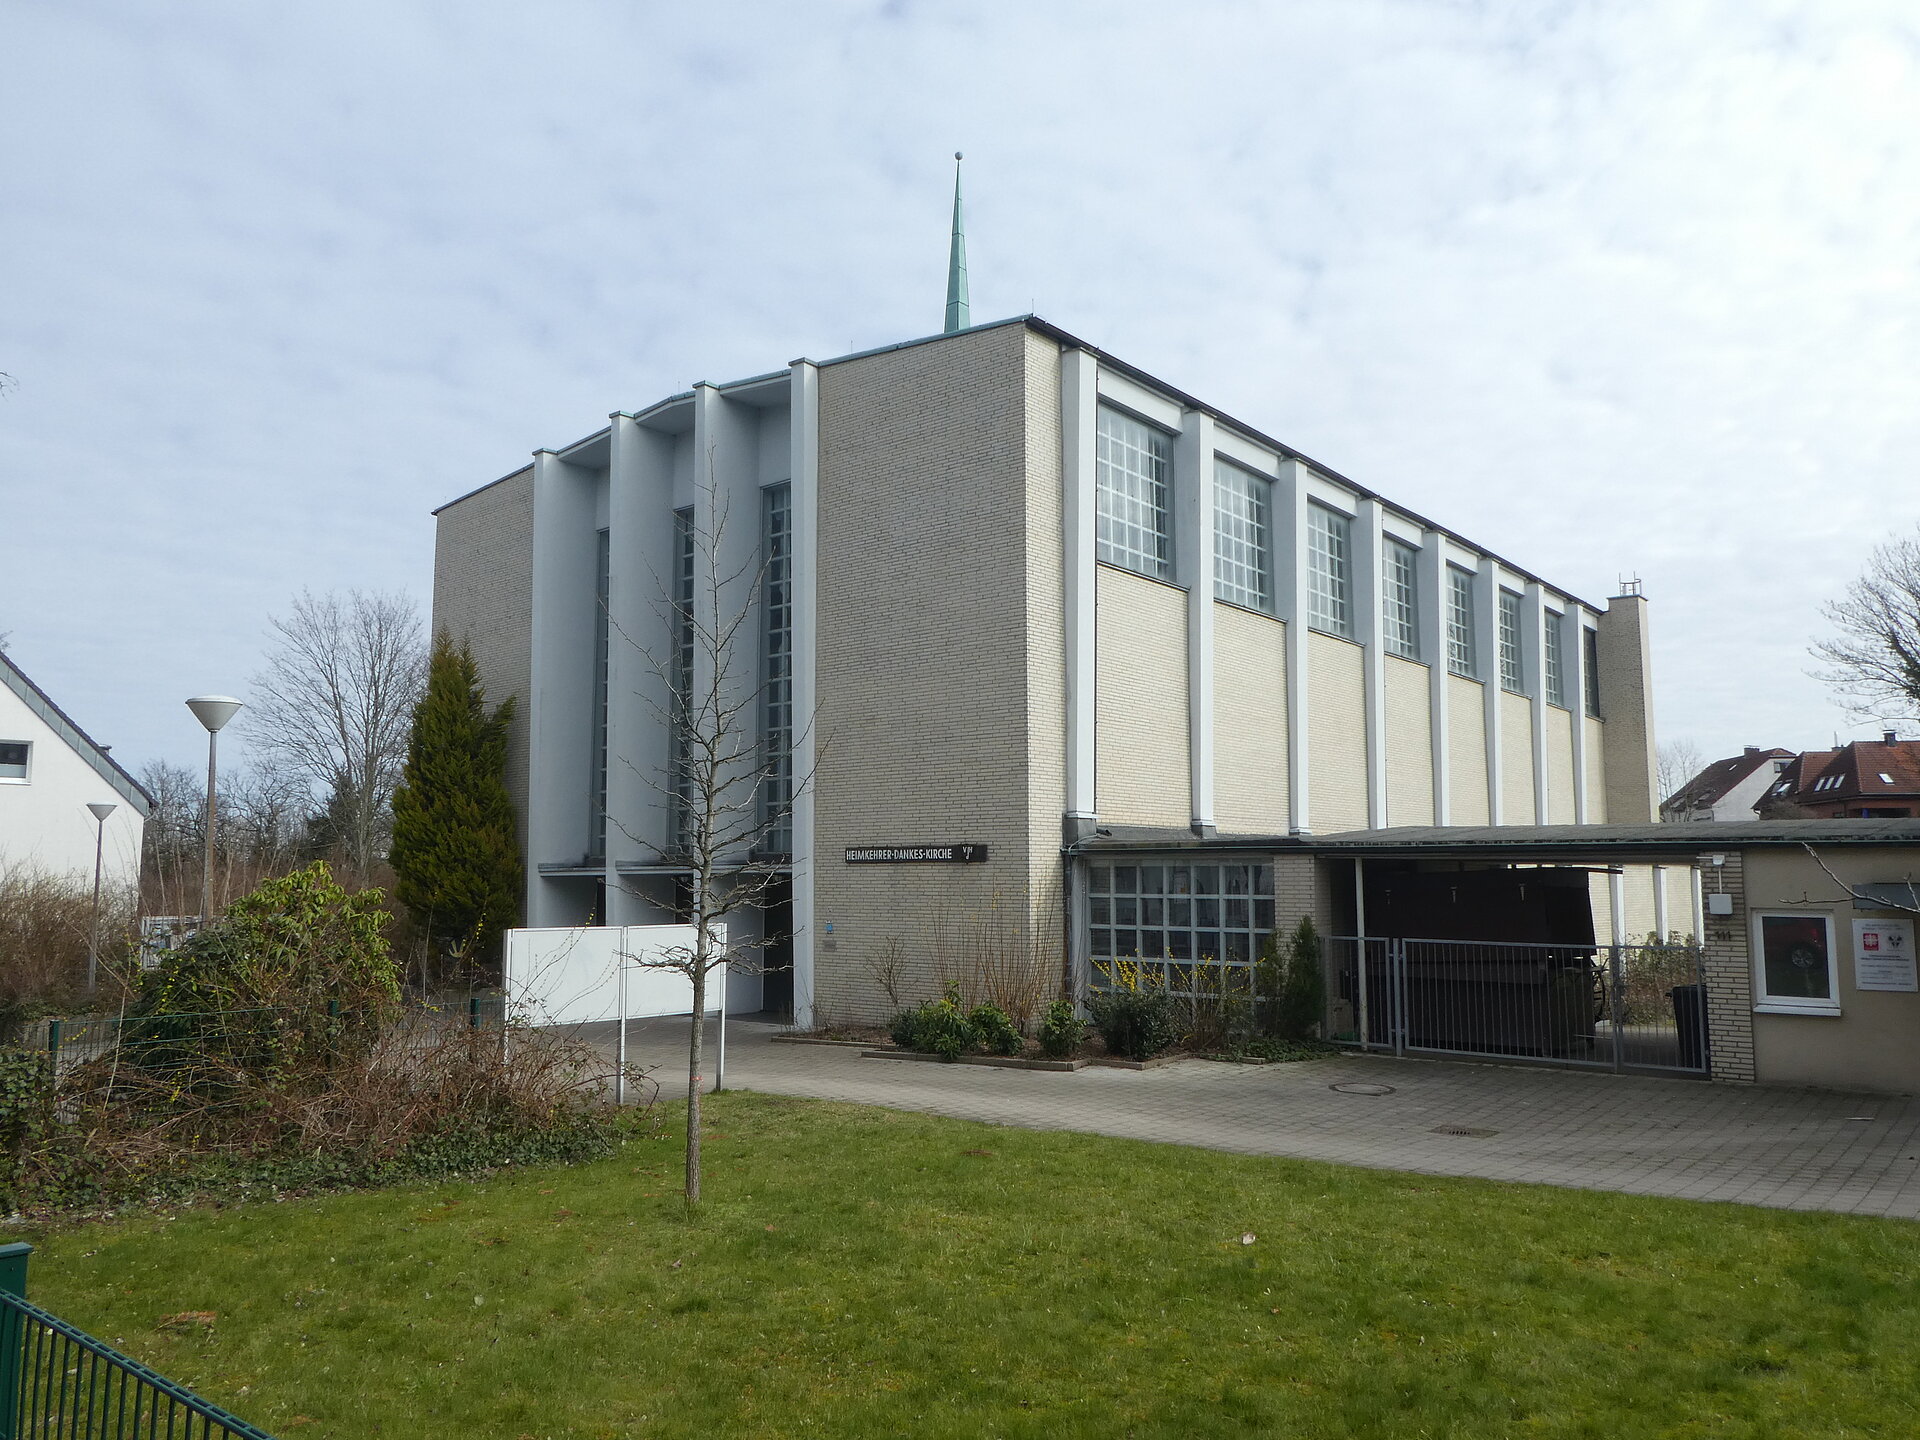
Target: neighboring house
point(1022, 600)
point(1866, 780)
point(50, 771)
point(1727, 789)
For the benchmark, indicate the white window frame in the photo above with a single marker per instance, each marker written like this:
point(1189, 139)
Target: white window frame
point(1242, 537)
point(25, 777)
point(1510, 631)
point(1463, 643)
point(1400, 598)
point(1553, 658)
point(1766, 1003)
point(1329, 570)
point(1133, 504)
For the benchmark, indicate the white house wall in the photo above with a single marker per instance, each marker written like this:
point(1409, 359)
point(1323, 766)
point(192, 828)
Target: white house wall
point(44, 822)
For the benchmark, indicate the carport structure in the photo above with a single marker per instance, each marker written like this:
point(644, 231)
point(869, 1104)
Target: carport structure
point(1785, 958)
point(1803, 931)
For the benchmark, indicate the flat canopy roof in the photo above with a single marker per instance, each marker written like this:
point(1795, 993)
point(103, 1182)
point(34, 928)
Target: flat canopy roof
point(1523, 842)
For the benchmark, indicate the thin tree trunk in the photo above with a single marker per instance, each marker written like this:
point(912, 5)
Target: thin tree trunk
point(694, 1060)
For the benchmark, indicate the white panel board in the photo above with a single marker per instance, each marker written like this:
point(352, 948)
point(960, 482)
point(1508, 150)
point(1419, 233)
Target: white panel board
point(571, 975)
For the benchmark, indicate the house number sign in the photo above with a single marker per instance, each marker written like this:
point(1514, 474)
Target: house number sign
point(916, 854)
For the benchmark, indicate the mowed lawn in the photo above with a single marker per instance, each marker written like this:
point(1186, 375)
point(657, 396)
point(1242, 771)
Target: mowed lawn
point(859, 1272)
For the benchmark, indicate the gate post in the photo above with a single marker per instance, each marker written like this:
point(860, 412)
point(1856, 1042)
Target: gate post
point(13, 1334)
point(1397, 989)
point(1366, 1015)
point(1616, 1012)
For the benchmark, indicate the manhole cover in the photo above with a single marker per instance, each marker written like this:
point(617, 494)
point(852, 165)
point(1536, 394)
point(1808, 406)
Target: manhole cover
point(1356, 1087)
point(1473, 1130)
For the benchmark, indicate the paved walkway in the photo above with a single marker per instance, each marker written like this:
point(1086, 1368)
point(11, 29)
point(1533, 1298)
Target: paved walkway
point(1795, 1149)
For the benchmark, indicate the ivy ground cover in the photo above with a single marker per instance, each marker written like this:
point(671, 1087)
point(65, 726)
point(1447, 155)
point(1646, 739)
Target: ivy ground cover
point(860, 1272)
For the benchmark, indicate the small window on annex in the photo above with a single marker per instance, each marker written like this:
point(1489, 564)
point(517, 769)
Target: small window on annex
point(1400, 600)
point(1133, 475)
point(13, 759)
point(1461, 659)
point(1242, 537)
point(1513, 667)
point(1329, 571)
point(1796, 962)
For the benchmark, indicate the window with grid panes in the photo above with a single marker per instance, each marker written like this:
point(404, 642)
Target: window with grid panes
point(1461, 659)
point(1174, 916)
point(1400, 600)
point(776, 673)
point(682, 627)
point(1242, 536)
point(1133, 472)
point(1590, 653)
point(1513, 670)
point(1329, 571)
point(597, 786)
point(1556, 672)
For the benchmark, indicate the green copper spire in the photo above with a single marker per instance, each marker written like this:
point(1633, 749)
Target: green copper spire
point(958, 311)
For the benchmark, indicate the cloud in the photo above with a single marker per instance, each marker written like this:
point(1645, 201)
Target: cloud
point(1612, 289)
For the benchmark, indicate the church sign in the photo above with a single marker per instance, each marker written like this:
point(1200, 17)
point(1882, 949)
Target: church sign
point(916, 854)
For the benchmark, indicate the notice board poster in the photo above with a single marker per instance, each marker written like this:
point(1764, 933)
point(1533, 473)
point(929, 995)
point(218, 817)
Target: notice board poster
point(1883, 955)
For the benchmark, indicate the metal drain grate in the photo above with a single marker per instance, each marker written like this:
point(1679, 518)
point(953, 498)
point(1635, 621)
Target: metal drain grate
point(1471, 1130)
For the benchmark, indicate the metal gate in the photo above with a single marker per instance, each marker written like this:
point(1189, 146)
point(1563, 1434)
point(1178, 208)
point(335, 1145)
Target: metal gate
point(1609, 1007)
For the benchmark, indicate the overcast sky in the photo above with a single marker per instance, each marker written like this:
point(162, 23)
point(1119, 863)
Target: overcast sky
point(1613, 289)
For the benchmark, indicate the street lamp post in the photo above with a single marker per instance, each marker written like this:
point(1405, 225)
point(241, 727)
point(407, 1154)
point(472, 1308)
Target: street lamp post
point(101, 809)
point(212, 711)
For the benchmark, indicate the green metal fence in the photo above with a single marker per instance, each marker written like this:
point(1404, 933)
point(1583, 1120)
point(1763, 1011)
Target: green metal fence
point(57, 1380)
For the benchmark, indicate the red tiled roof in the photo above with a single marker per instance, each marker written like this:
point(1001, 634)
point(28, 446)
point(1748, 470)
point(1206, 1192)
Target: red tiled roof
point(1861, 772)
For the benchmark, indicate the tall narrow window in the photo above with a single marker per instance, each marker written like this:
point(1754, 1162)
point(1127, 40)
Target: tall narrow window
point(1133, 471)
point(1513, 667)
point(682, 625)
point(1590, 652)
point(776, 673)
point(1556, 671)
point(1400, 600)
point(1242, 531)
point(597, 786)
point(1329, 571)
point(1461, 659)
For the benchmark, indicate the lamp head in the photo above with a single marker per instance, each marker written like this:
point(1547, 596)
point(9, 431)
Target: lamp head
point(101, 809)
point(213, 711)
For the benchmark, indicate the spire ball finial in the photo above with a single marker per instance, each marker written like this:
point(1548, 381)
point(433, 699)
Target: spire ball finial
point(958, 156)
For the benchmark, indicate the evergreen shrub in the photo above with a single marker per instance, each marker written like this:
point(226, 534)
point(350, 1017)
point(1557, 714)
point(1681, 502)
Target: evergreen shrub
point(1135, 1015)
point(1062, 1031)
point(994, 1030)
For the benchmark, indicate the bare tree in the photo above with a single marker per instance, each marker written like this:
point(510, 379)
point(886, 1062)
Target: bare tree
point(727, 793)
point(334, 704)
point(1678, 762)
point(262, 833)
point(1875, 659)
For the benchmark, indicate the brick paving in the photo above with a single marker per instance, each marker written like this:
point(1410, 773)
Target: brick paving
point(1791, 1149)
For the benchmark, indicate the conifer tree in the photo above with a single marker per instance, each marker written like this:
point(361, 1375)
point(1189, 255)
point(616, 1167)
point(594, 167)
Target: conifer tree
point(455, 856)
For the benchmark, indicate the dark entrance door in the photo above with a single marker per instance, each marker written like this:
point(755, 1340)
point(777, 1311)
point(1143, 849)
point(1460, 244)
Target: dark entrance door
point(777, 957)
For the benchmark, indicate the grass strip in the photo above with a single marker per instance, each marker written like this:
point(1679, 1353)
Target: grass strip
point(863, 1272)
